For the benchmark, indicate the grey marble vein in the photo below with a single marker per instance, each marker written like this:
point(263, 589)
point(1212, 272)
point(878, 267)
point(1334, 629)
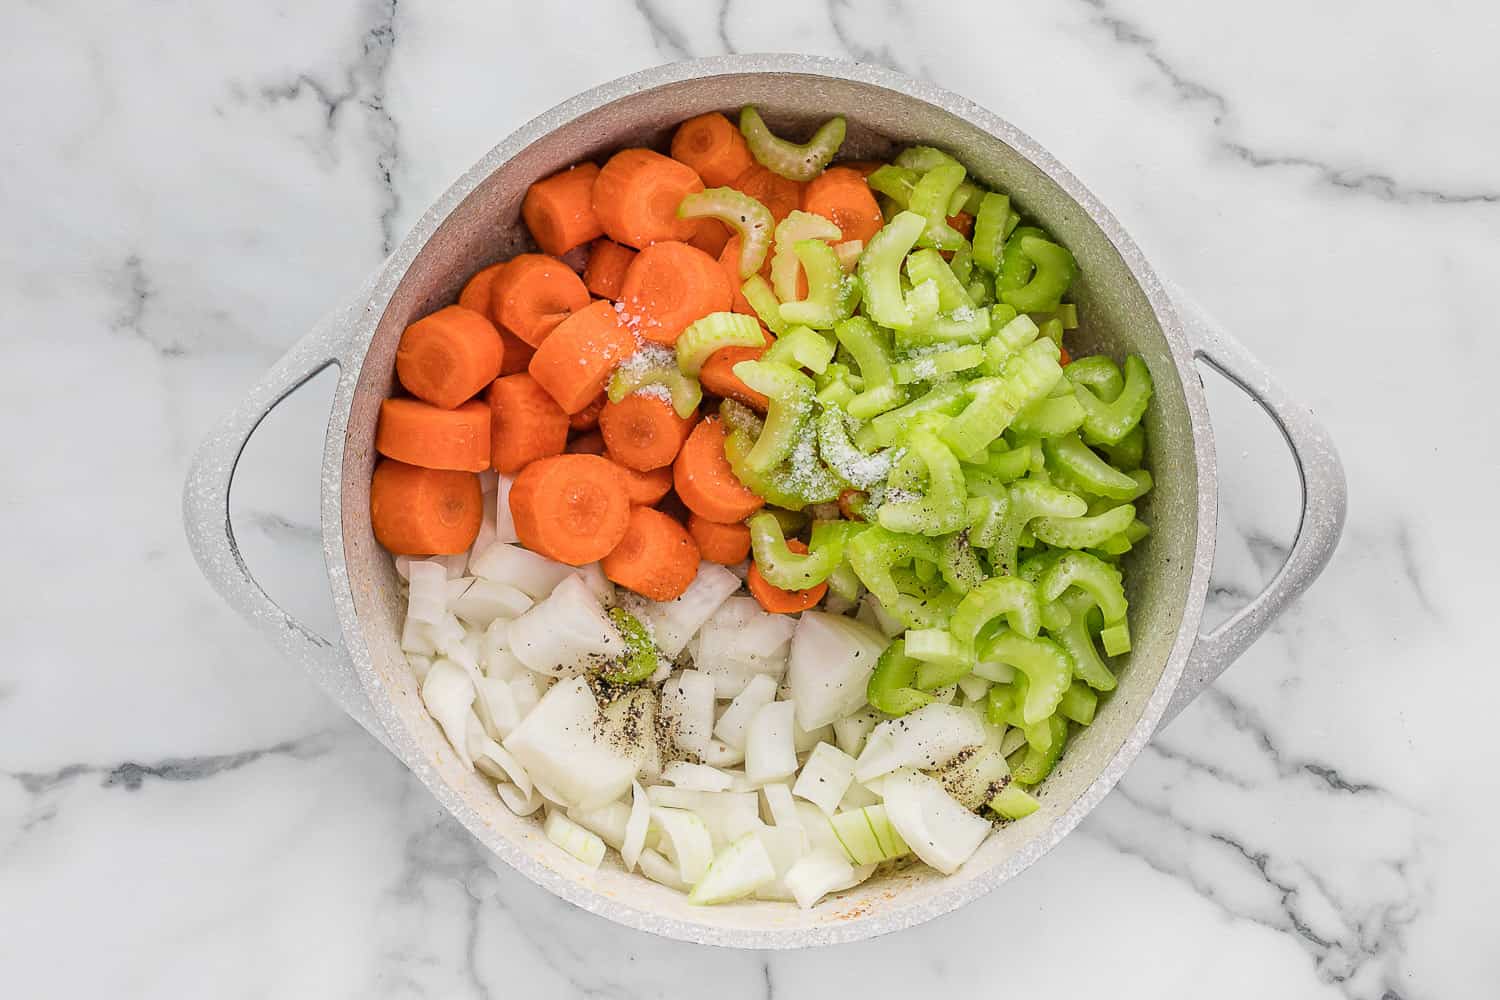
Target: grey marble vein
point(1246, 720)
point(280, 528)
point(135, 290)
point(665, 35)
point(884, 55)
point(1406, 550)
point(133, 775)
point(722, 26)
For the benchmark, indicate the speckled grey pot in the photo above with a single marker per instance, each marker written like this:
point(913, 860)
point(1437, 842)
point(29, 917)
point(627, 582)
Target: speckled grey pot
point(476, 223)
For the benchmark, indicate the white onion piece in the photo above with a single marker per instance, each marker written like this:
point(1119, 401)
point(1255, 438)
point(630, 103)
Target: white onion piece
point(583, 845)
point(872, 612)
point(851, 731)
point(526, 689)
point(825, 777)
point(819, 831)
point(535, 575)
point(659, 869)
point(486, 536)
point(417, 638)
point(448, 634)
point(817, 874)
point(735, 722)
point(673, 623)
point(926, 738)
point(608, 821)
point(686, 841)
point(636, 827)
point(565, 634)
point(427, 599)
point(687, 702)
point(738, 871)
point(592, 575)
point(740, 641)
point(419, 665)
point(934, 824)
point(505, 523)
point(782, 807)
point(463, 651)
point(857, 796)
point(521, 805)
point(805, 739)
point(492, 758)
point(770, 753)
point(403, 566)
point(630, 727)
point(483, 601)
point(560, 745)
point(727, 815)
point(495, 703)
point(721, 754)
point(785, 846)
point(974, 687)
point(494, 652)
point(448, 692)
point(830, 666)
point(695, 777)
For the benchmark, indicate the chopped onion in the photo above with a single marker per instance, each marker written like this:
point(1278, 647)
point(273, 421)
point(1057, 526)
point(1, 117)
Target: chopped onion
point(738, 871)
point(938, 828)
point(727, 815)
point(695, 777)
point(560, 745)
point(741, 641)
point(770, 753)
point(583, 845)
point(417, 638)
point(973, 686)
point(735, 722)
point(526, 689)
point(868, 835)
point(850, 731)
point(857, 796)
point(815, 823)
point(658, 869)
point(782, 807)
point(565, 634)
point(817, 874)
point(926, 738)
point(636, 827)
point(608, 821)
point(483, 601)
point(495, 704)
point(448, 692)
point(686, 841)
point(785, 846)
point(427, 599)
point(825, 777)
point(830, 665)
point(419, 665)
point(873, 613)
point(521, 805)
point(535, 575)
point(687, 702)
point(721, 754)
point(592, 574)
point(494, 652)
point(630, 727)
point(805, 739)
point(491, 758)
point(505, 524)
point(673, 623)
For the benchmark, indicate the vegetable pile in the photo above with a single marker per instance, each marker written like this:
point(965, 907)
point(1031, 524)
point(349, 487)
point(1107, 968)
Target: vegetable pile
point(840, 388)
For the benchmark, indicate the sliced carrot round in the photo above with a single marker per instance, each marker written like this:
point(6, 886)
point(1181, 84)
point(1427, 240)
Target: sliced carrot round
point(572, 508)
point(705, 482)
point(419, 433)
point(841, 196)
point(645, 488)
point(784, 602)
point(714, 147)
point(780, 195)
point(559, 210)
point(604, 275)
point(587, 418)
point(862, 167)
point(643, 432)
point(533, 294)
point(525, 423)
point(710, 237)
point(726, 544)
point(587, 443)
point(476, 293)
point(670, 285)
point(575, 361)
point(446, 357)
point(636, 196)
point(424, 512)
point(717, 374)
point(657, 558)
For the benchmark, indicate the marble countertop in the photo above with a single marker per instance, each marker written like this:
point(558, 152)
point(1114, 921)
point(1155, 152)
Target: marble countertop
point(187, 187)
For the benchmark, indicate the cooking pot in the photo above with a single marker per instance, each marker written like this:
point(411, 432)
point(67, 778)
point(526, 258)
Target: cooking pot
point(1125, 309)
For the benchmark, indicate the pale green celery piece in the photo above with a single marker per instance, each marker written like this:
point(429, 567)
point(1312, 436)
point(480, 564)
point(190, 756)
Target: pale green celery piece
point(685, 391)
point(922, 300)
point(927, 574)
point(797, 226)
point(965, 325)
point(1112, 547)
point(739, 417)
point(757, 291)
point(1033, 566)
point(1083, 532)
point(1137, 530)
point(928, 265)
point(640, 659)
point(793, 484)
point(1010, 596)
point(1025, 377)
point(880, 270)
point(791, 402)
point(1099, 373)
point(1115, 638)
point(1047, 666)
point(891, 688)
point(986, 515)
point(858, 468)
point(831, 294)
point(1053, 271)
point(885, 429)
point(1052, 329)
point(908, 471)
point(1036, 764)
point(801, 347)
point(711, 333)
point(845, 582)
point(1050, 417)
point(1066, 313)
point(751, 220)
point(1015, 266)
point(966, 198)
point(1091, 575)
point(941, 507)
point(788, 159)
point(1010, 336)
point(1130, 452)
point(788, 521)
point(1073, 635)
point(1012, 221)
point(943, 362)
point(923, 158)
point(1014, 802)
point(989, 226)
point(937, 648)
point(929, 199)
point(873, 402)
point(1069, 458)
point(870, 347)
point(981, 289)
point(1108, 423)
point(1055, 616)
point(894, 182)
point(960, 566)
point(1005, 464)
point(962, 266)
point(1079, 703)
point(790, 570)
point(876, 555)
point(1030, 499)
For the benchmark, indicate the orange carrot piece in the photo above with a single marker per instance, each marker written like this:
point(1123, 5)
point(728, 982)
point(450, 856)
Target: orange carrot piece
point(424, 512)
point(862, 167)
point(729, 262)
point(778, 601)
point(576, 359)
point(605, 274)
point(572, 508)
point(963, 222)
point(668, 286)
point(525, 423)
point(587, 418)
point(476, 293)
point(636, 197)
point(847, 500)
point(841, 196)
point(726, 544)
point(714, 147)
point(419, 433)
point(645, 488)
point(587, 443)
point(705, 482)
point(643, 432)
point(517, 354)
point(657, 557)
point(1063, 357)
point(533, 294)
point(446, 357)
point(559, 210)
point(710, 237)
point(779, 194)
point(717, 376)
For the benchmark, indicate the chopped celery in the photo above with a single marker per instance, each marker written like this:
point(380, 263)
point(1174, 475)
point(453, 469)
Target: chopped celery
point(1015, 267)
point(960, 567)
point(940, 508)
point(711, 333)
point(685, 391)
point(1116, 639)
point(788, 159)
point(880, 270)
point(928, 265)
point(757, 292)
point(1010, 596)
point(921, 159)
point(801, 347)
point(854, 466)
point(751, 220)
point(640, 660)
point(1078, 704)
point(1053, 270)
point(895, 182)
point(785, 267)
point(936, 364)
point(1083, 532)
point(1129, 452)
point(1072, 458)
point(989, 225)
point(891, 688)
point(791, 402)
point(1073, 635)
point(1049, 417)
point(1047, 667)
point(929, 199)
point(1037, 764)
point(831, 294)
point(867, 835)
point(1109, 423)
point(1014, 802)
point(1100, 374)
point(1093, 576)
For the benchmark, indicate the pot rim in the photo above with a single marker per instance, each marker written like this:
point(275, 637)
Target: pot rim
point(897, 916)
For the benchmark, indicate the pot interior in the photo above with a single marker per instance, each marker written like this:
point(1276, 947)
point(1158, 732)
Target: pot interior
point(1116, 317)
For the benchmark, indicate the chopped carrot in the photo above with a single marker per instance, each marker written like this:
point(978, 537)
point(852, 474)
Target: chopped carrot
point(525, 423)
point(533, 294)
point(636, 197)
point(668, 286)
point(576, 359)
point(476, 293)
point(672, 506)
point(587, 418)
point(841, 196)
point(657, 557)
point(714, 147)
point(778, 601)
point(605, 274)
point(559, 210)
point(717, 376)
point(862, 167)
point(419, 433)
point(848, 501)
point(963, 222)
point(710, 237)
point(446, 357)
point(424, 512)
point(572, 508)
point(704, 480)
point(587, 443)
point(517, 353)
point(645, 488)
point(1063, 357)
point(643, 432)
point(726, 544)
point(779, 194)
point(729, 262)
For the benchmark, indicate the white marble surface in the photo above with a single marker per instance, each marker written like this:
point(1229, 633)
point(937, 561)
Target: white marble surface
point(187, 186)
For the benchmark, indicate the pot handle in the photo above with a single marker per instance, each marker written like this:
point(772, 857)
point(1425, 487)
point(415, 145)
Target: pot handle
point(1324, 503)
point(210, 533)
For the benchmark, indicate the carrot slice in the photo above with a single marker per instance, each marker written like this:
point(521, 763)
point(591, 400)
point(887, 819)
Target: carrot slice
point(643, 432)
point(424, 512)
point(576, 359)
point(604, 275)
point(559, 210)
point(717, 374)
point(419, 433)
point(963, 222)
point(668, 286)
point(710, 237)
point(645, 488)
point(533, 294)
point(525, 423)
point(572, 508)
point(1063, 357)
point(714, 147)
point(841, 196)
point(587, 418)
point(446, 357)
point(517, 354)
point(779, 194)
point(785, 602)
point(636, 197)
point(847, 501)
point(476, 293)
point(726, 544)
point(588, 443)
point(729, 263)
point(704, 480)
point(657, 557)
point(862, 167)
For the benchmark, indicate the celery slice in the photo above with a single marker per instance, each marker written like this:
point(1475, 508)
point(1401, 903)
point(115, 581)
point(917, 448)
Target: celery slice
point(711, 333)
point(751, 220)
point(788, 159)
